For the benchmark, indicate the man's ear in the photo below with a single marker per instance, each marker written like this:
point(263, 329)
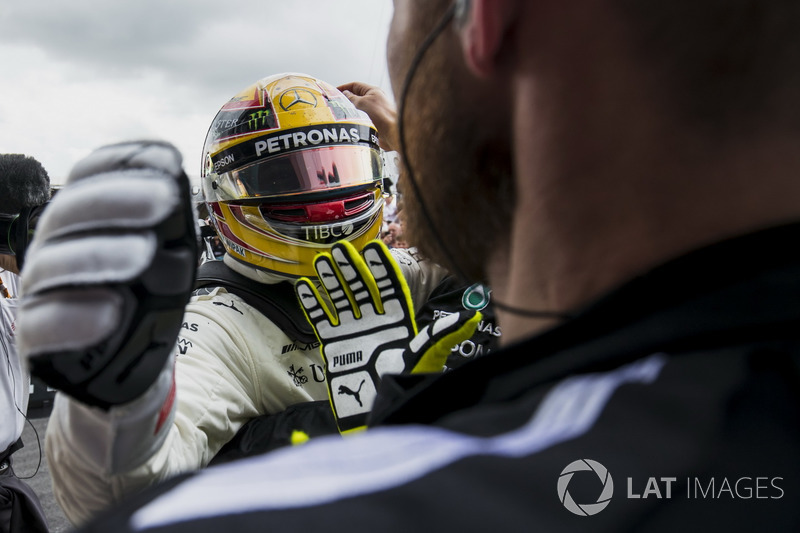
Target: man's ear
point(483, 27)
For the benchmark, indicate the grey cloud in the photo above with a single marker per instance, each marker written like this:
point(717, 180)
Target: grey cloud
point(202, 43)
point(170, 64)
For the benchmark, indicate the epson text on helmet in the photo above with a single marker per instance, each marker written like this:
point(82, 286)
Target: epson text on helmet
point(312, 137)
point(227, 160)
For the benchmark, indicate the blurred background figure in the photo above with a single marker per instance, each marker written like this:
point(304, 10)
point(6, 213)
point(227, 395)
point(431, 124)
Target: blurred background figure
point(390, 209)
point(393, 236)
point(24, 185)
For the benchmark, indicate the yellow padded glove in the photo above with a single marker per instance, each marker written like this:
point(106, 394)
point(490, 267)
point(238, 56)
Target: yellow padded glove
point(371, 330)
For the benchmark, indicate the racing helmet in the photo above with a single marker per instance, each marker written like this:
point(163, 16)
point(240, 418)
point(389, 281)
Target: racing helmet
point(289, 167)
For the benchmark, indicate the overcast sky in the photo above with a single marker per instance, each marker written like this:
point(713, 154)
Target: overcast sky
point(80, 74)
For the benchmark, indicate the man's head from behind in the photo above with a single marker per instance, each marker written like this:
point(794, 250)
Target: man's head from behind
point(23, 183)
point(711, 71)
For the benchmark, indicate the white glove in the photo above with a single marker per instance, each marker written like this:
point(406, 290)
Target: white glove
point(108, 274)
point(371, 330)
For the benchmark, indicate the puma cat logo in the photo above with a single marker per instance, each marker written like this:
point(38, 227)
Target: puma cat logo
point(343, 389)
point(232, 306)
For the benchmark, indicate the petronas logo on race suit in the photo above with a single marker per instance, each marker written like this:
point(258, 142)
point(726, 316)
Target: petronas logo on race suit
point(476, 297)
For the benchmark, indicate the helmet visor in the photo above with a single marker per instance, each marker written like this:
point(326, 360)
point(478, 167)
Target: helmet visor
point(312, 170)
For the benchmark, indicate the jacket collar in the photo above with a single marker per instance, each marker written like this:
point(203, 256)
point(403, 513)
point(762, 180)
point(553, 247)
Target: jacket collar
point(739, 290)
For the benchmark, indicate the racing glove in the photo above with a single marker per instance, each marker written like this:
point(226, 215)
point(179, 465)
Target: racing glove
point(371, 329)
point(108, 274)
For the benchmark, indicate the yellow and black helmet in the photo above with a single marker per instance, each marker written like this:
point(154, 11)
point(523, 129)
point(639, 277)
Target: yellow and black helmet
point(290, 166)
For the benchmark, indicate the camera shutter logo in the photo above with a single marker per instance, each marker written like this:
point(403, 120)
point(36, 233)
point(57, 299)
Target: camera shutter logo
point(585, 509)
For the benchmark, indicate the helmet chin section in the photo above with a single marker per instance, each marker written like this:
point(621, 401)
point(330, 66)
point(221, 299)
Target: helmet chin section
point(286, 247)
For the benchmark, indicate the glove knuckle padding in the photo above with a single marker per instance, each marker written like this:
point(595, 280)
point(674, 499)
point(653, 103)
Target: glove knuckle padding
point(129, 155)
point(109, 273)
point(141, 198)
point(344, 263)
point(92, 259)
point(92, 315)
point(310, 301)
point(376, 263)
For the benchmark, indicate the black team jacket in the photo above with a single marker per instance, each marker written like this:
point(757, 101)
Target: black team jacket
point(671, 404)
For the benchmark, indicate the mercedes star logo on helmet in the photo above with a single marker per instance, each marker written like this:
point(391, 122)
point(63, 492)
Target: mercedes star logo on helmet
point(294, 97)
point(585, 509)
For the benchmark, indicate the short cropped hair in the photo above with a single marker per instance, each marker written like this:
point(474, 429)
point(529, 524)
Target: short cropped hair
point(722, 62)
point(23, 183)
